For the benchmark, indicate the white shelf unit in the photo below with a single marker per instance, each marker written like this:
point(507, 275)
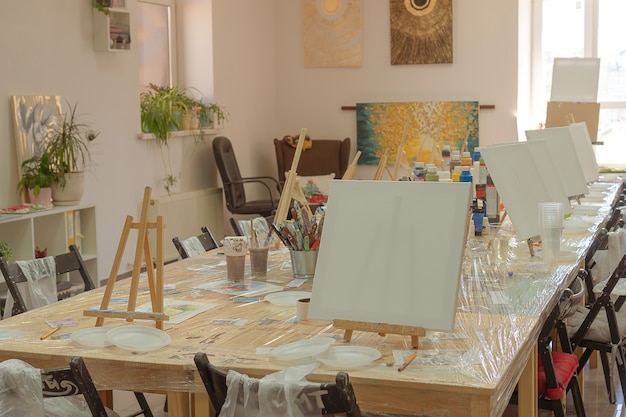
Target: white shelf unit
point(49, 229)
point(111, 32)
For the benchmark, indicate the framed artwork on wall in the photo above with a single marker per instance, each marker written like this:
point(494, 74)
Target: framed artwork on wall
point(423, 126)
point(421, 31)
point(332, 32)
point(34, 118)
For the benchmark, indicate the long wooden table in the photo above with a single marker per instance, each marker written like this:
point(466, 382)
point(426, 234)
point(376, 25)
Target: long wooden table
point(471, 372)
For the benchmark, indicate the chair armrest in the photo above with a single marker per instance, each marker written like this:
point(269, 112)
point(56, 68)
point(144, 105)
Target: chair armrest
point(259, 180)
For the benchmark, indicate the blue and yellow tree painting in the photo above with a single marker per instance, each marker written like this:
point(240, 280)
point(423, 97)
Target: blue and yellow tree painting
point(423, 127)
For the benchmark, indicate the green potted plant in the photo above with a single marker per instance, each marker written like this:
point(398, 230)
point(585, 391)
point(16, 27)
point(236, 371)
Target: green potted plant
point(68, 147)
point(38, 176)
point(5, 250)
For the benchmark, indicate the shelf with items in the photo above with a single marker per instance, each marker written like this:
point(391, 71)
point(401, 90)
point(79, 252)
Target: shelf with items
point(111, 31)
point(52, 231)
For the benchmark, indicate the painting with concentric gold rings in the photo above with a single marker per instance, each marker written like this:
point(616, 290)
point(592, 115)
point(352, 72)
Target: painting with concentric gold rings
point(332, 33)
point(421, 31)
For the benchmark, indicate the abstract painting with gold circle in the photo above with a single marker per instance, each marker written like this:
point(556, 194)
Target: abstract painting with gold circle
point(421, 31)
point(332, 33)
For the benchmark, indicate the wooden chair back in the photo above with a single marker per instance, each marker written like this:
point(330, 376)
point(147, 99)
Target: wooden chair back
point(74, 380)
point(338, 397)
point(65, 263)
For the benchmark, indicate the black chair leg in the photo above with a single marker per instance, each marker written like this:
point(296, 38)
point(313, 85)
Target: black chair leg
point(577, 397)
point(143, 403)
point(608, 376)
point(165, 405)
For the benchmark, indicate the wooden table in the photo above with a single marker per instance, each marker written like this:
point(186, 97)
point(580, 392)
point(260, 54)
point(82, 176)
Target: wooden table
point(471, 372)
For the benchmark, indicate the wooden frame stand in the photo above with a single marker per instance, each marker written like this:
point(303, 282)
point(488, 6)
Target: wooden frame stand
point(292, 189)
point(381, 328)
point(142, 252)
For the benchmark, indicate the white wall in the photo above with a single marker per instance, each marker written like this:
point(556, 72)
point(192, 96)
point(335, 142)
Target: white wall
point(484, 69)
point(47, 50)
point(259, 77)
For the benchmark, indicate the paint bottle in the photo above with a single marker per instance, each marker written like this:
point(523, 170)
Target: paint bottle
point(419, 172)
point(465, 176)
point(456, 175)
point(466, 159)
point(446, 156)
point(431, 173)
point(455, 160)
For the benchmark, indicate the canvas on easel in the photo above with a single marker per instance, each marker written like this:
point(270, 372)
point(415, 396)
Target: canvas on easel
point(584, 150)
point(392, 252)
point(563, 154)
point(520, 184)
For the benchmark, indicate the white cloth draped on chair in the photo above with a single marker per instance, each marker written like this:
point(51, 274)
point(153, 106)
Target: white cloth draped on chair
point(40, 288)
point(277, 394)
point(607, 260)
point(193, 246)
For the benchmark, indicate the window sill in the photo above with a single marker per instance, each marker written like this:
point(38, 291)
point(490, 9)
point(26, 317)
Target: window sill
point(180, 133)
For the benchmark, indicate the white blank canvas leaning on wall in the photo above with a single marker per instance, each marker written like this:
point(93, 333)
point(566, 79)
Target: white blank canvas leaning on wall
point(392, 252)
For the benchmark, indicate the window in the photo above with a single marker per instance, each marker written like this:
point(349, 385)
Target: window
point(156, 29)
point(587, 28)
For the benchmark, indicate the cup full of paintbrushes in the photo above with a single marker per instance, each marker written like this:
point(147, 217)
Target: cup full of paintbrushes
point(301, 235)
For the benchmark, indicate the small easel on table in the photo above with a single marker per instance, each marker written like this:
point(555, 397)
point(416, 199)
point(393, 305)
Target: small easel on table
point(142, 252)
point(381, 328)
point(292, 189)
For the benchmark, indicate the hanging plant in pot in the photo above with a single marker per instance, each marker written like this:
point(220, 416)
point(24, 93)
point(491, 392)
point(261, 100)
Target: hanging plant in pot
point(68, 147)
point(38, 176)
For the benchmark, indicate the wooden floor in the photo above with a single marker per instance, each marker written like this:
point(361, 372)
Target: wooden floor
point(595, 398)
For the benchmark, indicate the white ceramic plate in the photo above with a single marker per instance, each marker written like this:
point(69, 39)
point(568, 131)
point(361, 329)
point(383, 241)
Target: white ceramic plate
point(138, 338)
point(286, 298)
point(92, 336)
point(302, 349)
point(347, 357)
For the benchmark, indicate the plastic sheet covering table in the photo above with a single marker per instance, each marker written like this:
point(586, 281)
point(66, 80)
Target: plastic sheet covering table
point(470, 372)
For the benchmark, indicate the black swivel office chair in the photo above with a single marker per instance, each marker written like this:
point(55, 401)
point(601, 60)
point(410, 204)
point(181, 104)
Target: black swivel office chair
point(234, 192)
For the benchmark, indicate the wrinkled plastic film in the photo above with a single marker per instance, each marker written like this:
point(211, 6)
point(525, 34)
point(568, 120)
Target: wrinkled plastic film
point(40, 286)
point(501, 306)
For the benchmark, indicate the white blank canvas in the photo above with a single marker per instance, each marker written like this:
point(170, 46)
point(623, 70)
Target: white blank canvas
point(575, 79)
point(519, 183)
point(565, 158)
point(392, 252)
point(584, 151)
point(548, 172)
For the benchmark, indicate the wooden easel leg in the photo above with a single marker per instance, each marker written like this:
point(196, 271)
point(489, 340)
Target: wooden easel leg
point(139, 253)
point(157, 303)
point(115, 268)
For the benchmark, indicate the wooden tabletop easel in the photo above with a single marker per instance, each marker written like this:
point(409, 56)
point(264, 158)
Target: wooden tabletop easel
point(381, 328)
point(291, 189)
point(142, 253)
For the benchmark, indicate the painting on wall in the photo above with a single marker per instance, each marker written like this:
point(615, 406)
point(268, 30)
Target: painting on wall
point(34, 118)
point(332, 33)
point(423, 127)
point(421, 31)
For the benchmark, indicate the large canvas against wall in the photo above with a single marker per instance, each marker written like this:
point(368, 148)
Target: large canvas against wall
point(421, 31)
point(332, 33)
point(34, 117)
point(423, 126)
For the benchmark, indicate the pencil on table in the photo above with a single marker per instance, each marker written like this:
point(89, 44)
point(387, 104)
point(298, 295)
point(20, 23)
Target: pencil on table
point(50, 333)
point(407, 362)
